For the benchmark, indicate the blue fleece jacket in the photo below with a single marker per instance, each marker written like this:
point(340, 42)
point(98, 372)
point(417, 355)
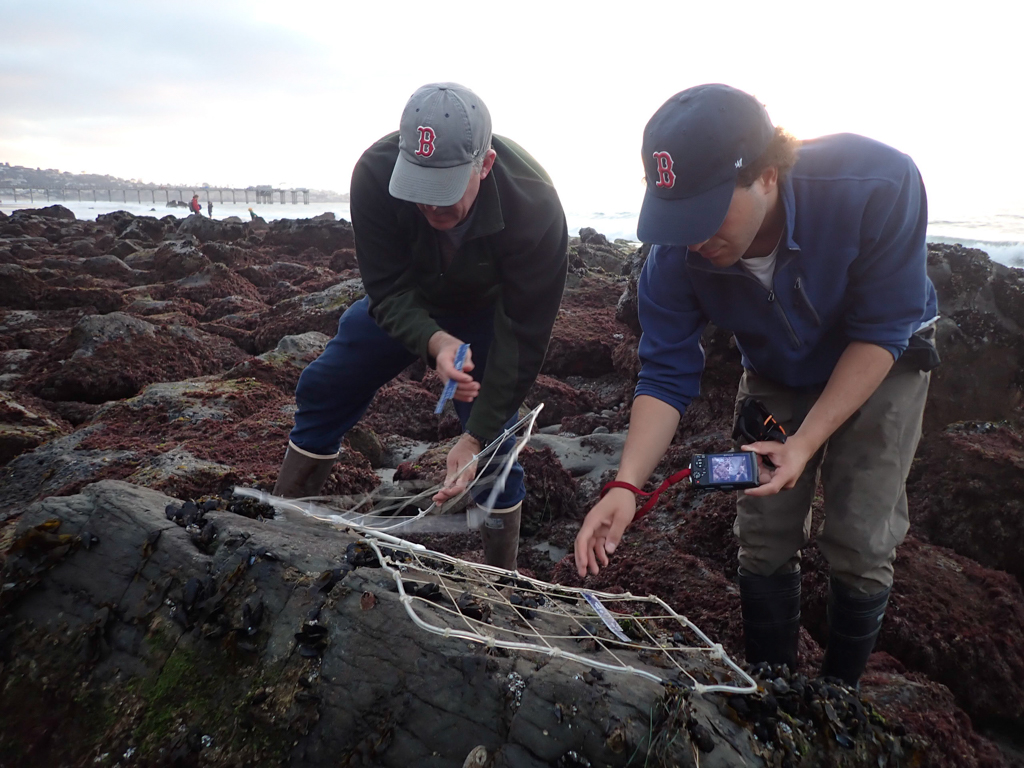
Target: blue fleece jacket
point(851, 267)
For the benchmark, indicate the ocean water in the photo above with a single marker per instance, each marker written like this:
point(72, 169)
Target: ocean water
point(1000, 235)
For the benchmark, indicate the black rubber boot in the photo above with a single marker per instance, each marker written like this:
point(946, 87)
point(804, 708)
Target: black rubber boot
point(302, 474)
point(500, 535)
point(771, 617)
point(853, 626)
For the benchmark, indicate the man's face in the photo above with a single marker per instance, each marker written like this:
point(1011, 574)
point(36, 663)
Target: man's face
point(748, 217)
point(444, 217)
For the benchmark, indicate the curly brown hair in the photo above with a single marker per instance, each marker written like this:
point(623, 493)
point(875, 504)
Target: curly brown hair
point(781, 152)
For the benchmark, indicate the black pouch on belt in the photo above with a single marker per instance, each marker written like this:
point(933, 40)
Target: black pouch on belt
point(921, 352)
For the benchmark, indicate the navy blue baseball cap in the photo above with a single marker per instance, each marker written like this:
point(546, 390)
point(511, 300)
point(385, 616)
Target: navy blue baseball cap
point(694, 148)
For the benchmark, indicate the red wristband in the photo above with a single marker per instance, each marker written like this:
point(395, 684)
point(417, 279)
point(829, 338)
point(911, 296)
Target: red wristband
point(649, 504)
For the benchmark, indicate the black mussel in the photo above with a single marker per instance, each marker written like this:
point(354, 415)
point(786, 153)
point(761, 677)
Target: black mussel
point(572, 759)
point(740, 706)
point(252, 615)
point(208, 535)
point(89, 539)
point(192, 593)
point(472, 608)
point(314, 613)
point(210, 504)
point(700, 736)
point(763, 732)
point(179, 616)
point(172, 512)
point(843, 739)
point(360, 555)
point(312, 636)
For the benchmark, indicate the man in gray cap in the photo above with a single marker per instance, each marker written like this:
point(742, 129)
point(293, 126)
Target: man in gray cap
point(813, 255)
point(460, 238)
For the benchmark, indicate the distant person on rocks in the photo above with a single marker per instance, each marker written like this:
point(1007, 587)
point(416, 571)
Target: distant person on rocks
point(460, 237)
point(195, 206)
point(813, 254)
point(252, 214)
point(209, 208)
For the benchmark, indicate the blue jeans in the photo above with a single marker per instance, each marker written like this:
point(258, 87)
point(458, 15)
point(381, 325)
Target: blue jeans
point(335, 390)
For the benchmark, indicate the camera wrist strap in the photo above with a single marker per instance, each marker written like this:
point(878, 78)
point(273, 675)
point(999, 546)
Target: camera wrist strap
point(649, 504)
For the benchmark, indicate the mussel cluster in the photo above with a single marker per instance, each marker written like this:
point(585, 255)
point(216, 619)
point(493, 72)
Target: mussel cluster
point(799, 715)
point(192, 517)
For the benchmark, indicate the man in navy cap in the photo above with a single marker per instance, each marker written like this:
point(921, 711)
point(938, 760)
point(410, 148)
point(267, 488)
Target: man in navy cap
point(813, 254)
point(460, 238)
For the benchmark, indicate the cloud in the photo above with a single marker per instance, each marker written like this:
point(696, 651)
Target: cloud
point(132, 60)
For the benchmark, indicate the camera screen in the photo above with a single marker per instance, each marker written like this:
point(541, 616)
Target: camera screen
point(730, 468)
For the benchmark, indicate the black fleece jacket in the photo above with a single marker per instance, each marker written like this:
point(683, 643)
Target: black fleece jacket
point(513, 258)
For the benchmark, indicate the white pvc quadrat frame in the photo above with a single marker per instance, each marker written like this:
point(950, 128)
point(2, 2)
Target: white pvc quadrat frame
point(374, 516)
point(489, 586)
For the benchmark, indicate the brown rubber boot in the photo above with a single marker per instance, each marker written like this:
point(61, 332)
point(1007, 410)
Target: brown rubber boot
point(302, 473)
point(500, 535)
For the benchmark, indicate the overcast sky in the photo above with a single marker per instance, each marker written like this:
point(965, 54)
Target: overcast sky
point(290, 93)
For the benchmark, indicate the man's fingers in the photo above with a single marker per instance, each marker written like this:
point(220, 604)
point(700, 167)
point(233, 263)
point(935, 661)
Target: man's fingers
point(467, 393)
point(580, 556)
point(617, 528)
point(583, 554)
point(776, 484)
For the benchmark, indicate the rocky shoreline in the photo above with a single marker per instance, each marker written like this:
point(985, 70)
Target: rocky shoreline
point(158, 356)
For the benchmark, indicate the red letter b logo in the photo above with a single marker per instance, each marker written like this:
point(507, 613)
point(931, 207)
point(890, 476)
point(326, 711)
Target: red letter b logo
point(426, 141)
point(665, 176)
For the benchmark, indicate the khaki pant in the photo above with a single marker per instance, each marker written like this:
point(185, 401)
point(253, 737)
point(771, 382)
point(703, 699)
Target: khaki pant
point(863, 471)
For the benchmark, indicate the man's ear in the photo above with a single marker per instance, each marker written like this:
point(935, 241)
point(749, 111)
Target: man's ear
point(770, 177)
point(488, 163)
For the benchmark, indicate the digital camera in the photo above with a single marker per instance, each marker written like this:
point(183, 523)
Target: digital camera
point(724, 471)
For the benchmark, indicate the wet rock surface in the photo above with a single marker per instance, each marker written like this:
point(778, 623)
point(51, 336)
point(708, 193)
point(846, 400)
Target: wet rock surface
point(142, 356)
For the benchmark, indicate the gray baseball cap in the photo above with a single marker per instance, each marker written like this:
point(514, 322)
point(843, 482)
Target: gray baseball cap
point(445, 127)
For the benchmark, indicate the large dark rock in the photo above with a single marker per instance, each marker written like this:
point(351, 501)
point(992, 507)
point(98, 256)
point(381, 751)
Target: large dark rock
point(966, 492)
point(318, 311)
point(205, 229)
point(299, 234)
point(49, 212)
point(168, 632)
point(108, 357)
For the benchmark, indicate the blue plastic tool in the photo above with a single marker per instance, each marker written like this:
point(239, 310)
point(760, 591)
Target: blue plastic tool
point(449, 388)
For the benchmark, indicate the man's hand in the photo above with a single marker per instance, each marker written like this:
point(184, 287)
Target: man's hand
point(602, 530)
point(859, 371)
point(463, 454)
point(443, 347)
point(789, 459)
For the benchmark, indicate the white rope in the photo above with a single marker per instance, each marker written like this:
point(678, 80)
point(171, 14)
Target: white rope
point(377, 511)
point(480, 603)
